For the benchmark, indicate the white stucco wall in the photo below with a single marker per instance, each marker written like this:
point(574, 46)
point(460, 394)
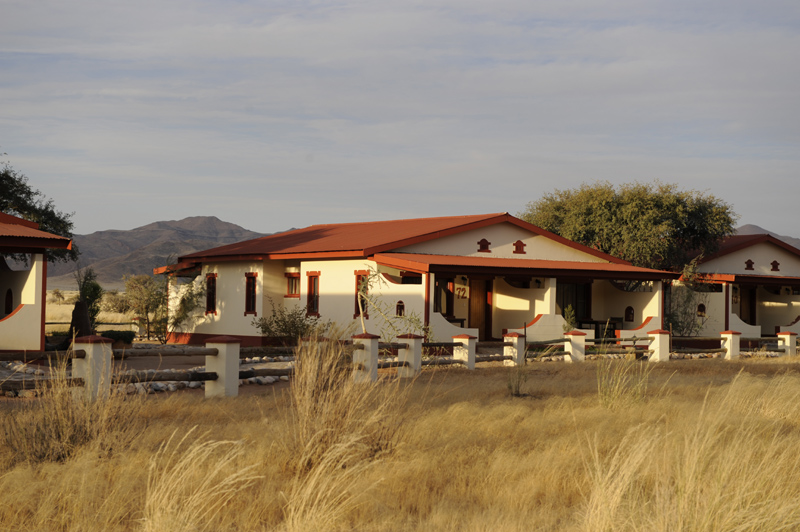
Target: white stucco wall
point(502, 236)
point(762, 255)
point(514, 307)
point(24, 329)
point(609, 301)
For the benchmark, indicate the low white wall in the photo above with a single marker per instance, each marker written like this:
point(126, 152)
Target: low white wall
point(24, 329)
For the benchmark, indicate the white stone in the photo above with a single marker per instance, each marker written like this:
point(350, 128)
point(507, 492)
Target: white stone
point(284, 378)
point(172, 387)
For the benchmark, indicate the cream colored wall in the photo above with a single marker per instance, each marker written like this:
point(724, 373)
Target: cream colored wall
point(514, 307)
point(762, 256)
point(715, 314)
point(230, 318)
point(337, 287)
point(776, 310)
point(502, 236)
point(608, 302)
point(24, 330)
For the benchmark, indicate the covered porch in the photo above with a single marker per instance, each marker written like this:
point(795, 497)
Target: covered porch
point(487, 297)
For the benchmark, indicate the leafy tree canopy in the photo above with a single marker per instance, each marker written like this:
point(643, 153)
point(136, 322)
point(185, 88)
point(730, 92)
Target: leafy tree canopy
point(650, 225)
point(19, 199)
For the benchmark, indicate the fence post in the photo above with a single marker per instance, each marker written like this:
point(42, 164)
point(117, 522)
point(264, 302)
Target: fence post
point(95, 369)
point(516, 351)
point(466, 351)
point(365, 360)
point(412, 355)
point(731, 342)
point(225, 365)
point(659, 343)
point(576, 346)
point(789, 340)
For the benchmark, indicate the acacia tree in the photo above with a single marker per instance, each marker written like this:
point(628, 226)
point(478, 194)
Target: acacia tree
point(19, 199)
point(650, 225)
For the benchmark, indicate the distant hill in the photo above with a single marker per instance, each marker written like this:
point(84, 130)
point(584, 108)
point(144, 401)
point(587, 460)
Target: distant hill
point(113, 254)
point(750, 229)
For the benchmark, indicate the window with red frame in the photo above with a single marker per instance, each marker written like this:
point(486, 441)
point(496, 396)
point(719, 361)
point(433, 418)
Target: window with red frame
point(312, 300)
point(211, 293)
point(250, 293)
point(292, 285)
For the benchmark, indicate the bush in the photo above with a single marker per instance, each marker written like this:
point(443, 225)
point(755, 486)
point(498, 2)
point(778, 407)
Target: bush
point(114, 301)
point(125, 337)
point(293, 323)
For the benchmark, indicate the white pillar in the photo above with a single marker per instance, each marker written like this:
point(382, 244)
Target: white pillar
point(576, 347)
point(549, 300)
point(365, 360)
point(516, 351)
point(225, 364)
point(731, 342)
point(789, 340)
point(466, 351)
point(95, 368)
point(412, 355)
point(659, 343)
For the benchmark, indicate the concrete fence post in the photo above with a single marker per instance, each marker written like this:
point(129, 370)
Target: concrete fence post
point(659, 344)
point(225, 364)
point(365, 360)
point(95, 368)
point(731, 341)
point(516, 351)
point(575, 347)
point(466, 351)
point(789, 341)
point(412, 355)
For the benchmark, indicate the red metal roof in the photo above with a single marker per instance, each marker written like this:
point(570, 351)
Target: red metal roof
point(367, 238)
point(16, 232)
point(552, 268)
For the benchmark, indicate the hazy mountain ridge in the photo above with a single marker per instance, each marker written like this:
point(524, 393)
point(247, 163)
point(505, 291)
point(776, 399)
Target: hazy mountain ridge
point(114, 253)
point(751, 229)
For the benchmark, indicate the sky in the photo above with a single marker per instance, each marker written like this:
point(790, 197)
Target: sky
point(281, 114)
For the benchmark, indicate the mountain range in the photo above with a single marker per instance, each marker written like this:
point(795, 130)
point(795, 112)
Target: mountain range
point(114, 254)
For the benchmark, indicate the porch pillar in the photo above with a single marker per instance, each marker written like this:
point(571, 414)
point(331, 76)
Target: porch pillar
point(466, 351)
point(789, 340)
point(365, 360)
point(731, 341)
point(550, 295)
point(225, 364)
point(412, 355)
point(576, 346)
point(516, 351)
point(95, 368)
point(659, 343)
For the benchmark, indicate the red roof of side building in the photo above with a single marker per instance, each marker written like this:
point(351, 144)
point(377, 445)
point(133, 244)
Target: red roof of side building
point(364, 239)
point(18, 233)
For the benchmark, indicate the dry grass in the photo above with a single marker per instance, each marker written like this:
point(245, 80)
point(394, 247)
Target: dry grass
point(713, 449)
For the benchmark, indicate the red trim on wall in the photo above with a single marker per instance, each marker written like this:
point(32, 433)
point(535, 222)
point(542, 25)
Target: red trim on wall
point(247, 284)
point(483, 246)
point(519, 247)
point(202, 338)
point(727, 306)
point(427, 280)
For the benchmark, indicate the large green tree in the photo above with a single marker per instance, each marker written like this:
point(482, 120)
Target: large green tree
point(653, 225)
point(18, 198)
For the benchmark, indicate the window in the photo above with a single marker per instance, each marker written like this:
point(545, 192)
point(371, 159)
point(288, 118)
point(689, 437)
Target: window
point(519, 247)
point(701, 310)
point(211, 293)
point(748, 264)
point(775, 266)
point(483, 246)
point(361, 287)
point(312, 301)
point(292, 285)
point(629, 314)
point(250, 293)
point(400, 309)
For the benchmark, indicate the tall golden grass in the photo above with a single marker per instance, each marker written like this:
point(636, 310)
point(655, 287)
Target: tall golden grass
point(708, 445)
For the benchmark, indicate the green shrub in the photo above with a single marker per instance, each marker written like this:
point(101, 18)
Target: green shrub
point(123, 336)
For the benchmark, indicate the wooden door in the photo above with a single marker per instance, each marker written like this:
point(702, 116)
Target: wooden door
point(480, 313)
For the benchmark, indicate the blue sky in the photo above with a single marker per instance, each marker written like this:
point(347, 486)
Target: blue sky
point(274, 115)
